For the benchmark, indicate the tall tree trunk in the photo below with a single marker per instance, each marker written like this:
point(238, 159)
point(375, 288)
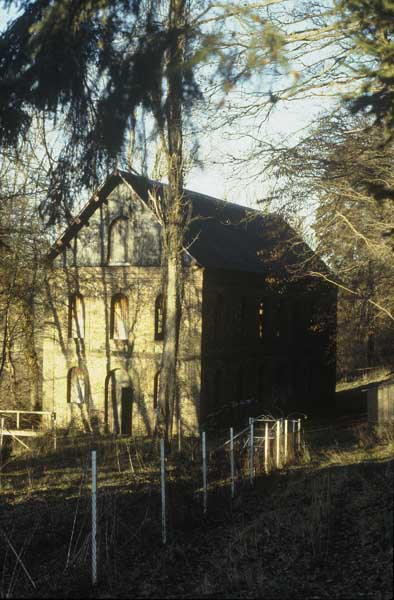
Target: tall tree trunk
point(174, 221)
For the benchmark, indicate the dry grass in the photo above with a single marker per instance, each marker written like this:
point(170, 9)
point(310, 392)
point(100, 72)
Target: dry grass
point(320, 528)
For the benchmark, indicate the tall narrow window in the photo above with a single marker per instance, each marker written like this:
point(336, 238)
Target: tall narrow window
point(240, 385)
point(217, 389)
point(260, 383)
point(119, 317)
point(218, 317)
point(241, 318)
point(159, 318)
point(156, 389)
point(278, 318)
point(118, 241)
point(76, 317)
point(260, 320)
point(76, 386)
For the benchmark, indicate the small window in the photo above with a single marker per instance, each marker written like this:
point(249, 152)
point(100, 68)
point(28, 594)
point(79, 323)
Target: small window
point(118, 241)
point(260, 320)
point(76, 386)
point(156, 390)
point(241, 317)
point(240, 385)
point(159, 318)
point(218, 317)
point(217, 389)
point(260, 383)
point(279, 315)
point(119, 317)
point(76, 317)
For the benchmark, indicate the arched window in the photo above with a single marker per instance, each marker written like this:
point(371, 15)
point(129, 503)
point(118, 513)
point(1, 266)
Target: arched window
point(279, 318)
point(118, 241)
point(159, 317)
point(260, 383)
point(76, 317)
point(156, 389)
point(260, 320)
point(240, 385)
point(218, 317)
point(217, 388)
point(76, 386)
point(241, 317)
point(119, 317)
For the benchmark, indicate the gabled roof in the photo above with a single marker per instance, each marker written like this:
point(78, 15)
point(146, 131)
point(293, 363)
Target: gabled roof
point(220, 234)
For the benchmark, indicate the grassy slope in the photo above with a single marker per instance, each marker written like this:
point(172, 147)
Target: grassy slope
point(320, 529)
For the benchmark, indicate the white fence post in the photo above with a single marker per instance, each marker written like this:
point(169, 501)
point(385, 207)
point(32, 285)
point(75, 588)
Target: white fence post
point(251, 449)
point(278, 433)
point(94, 518)
point(163, 493)
point(286, 441)
point(266, 447)
point(204, 470)
point(232, 462)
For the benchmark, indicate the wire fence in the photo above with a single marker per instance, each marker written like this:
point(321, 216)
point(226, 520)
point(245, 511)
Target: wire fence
point(162, 488)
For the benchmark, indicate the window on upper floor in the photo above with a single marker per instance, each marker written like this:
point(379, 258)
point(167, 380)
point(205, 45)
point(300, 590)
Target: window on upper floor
point(118, 241)
point(217, 388)
point(76, 386)
point(260, 383)
point(119, 317)
point(241, 318)
point(218, 317)
point(76, 317)
point(240, 383)
point(159, 317)
point(260, 320)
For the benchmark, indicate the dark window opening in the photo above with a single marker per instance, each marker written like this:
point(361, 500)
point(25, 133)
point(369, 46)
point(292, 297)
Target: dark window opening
point(260, 320)
point(218, 317)
point(217, 389)
point(240, 385)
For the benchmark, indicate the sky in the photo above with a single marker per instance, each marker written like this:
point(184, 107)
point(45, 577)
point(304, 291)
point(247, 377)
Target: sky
point(218, 177)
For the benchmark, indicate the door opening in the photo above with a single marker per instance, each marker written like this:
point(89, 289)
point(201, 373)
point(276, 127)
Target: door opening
point(127, 410)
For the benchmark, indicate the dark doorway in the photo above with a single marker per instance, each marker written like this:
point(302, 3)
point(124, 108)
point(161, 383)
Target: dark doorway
point(127, 410)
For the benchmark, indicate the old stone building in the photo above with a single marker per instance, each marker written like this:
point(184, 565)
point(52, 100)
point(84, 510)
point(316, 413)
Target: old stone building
point(256, 333)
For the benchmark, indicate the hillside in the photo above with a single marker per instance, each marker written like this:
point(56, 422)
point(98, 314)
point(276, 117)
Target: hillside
point(318, 529)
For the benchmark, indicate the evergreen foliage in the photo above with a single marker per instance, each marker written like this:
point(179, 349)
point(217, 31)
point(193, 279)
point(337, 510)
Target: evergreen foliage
point(371, 26)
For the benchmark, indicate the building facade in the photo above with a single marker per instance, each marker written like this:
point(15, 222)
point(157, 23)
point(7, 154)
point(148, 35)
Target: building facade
point(256, 332)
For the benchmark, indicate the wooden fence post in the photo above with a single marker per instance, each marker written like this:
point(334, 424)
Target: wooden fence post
point(251, 449)
point(278, 433)
point(266, 447)
point(286, 441)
